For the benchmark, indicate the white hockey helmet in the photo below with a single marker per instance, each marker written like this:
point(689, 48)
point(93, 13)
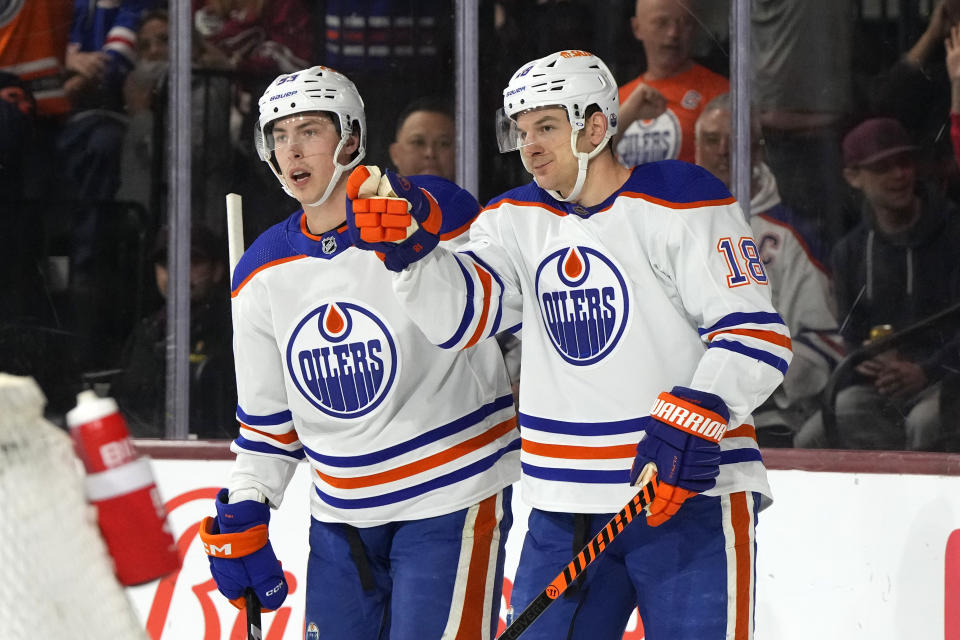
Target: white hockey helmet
point(573, 80)
point(314, 89)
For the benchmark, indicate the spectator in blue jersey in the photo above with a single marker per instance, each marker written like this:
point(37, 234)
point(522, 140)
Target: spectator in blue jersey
point(799, 281)
point(100, 53)
point(897, 267)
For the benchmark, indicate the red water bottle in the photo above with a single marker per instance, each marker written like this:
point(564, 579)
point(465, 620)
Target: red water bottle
point(120, 485)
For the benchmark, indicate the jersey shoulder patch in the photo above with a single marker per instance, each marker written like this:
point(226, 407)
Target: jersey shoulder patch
point(270, 246)
point(677, 184)
point(458, 205)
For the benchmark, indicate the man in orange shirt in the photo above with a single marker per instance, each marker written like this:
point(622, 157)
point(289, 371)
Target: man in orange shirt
point(672, 79)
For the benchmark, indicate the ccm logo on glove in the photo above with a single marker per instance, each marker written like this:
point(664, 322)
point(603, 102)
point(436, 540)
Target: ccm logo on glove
point(688, 417)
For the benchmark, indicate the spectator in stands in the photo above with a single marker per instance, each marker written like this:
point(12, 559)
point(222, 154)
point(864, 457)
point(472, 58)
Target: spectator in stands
point(425, 141)
point(673, 85)
point(143, 170)
point(139, 386)
point(802, 86)
point(897, 267)
point(256, 36)
point(916, 91)
point(100, 53)
point(799, 283)
point(33, 39)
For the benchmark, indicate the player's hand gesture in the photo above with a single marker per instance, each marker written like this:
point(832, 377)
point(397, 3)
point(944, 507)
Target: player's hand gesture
point(645, 103)
point(389, 215)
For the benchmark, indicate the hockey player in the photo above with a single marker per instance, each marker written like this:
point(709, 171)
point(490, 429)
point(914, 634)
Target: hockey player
point(412, 449)
point(646, 318)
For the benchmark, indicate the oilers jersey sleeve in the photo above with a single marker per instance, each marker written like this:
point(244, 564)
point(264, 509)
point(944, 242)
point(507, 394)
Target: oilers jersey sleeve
point(330, 369)
point(659, 285)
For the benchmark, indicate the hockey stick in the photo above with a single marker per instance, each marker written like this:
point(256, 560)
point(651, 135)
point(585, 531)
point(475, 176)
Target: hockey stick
point(234, 231)
point(587, 555)
point(254, 631)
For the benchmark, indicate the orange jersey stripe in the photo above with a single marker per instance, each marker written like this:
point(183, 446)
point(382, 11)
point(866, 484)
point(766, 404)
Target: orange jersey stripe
point(743, 548)
point(261, 268)
point(430, 462)
point(679, 205)
point(768, 336)
point(572, 452)
point(284, 438)
point(486, 283)
point(472, 617)
point(743, 431)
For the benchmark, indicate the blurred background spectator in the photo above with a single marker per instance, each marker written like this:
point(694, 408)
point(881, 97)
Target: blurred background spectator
point(666, 29)
point(802, 86)
point(799, 283)
point(425, 139)
point(897, 267)
point(138, 387)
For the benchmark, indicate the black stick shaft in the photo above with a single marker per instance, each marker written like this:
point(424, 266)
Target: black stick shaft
point(254, 630)
point(580, 563)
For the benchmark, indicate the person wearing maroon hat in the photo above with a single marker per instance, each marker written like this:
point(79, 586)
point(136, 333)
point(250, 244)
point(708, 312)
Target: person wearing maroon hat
point(898, 266)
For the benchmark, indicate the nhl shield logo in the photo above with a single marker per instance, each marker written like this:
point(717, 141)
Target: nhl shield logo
point(328, 245)
point(343, 359)
point(583, 302)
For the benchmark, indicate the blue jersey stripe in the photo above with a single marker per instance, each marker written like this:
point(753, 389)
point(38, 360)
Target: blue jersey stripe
point(467, 312)
point(581, 428)
point(263, 421)
point(423, 439)
point(735, 319)
point(411, 492)
point(747, 454)
point(763, 356)
point(263, 447)
point(580, 476)
point(496, 276)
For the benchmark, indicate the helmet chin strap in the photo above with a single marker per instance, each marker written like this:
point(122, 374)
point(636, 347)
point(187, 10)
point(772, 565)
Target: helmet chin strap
point(583, 159)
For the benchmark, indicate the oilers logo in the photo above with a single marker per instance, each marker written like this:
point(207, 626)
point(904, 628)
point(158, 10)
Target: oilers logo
point(584, 303)
point(343, 359)
point(651, 140)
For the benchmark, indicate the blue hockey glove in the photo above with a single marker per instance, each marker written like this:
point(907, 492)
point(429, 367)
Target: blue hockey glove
point(684, 430)
point(389, 215)
point(240, 552)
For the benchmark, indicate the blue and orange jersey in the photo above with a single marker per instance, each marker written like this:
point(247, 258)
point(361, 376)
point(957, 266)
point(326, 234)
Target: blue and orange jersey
point(330, 369)
point(33, 40)
point(659, 285)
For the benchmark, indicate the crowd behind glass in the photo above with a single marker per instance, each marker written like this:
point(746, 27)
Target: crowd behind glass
point(851, 127)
